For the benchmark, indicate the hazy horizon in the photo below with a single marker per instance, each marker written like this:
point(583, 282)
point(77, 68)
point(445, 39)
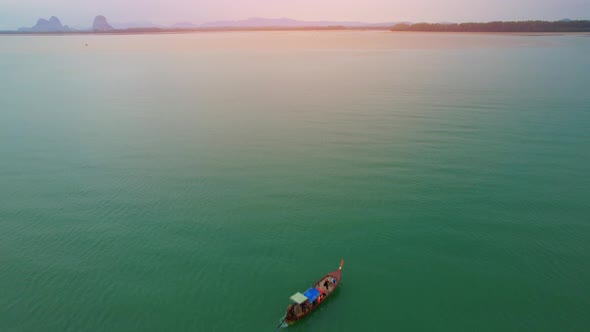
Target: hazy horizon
point(19, 13)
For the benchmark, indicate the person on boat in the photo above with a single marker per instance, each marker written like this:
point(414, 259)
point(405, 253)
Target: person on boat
point(304, 307)
point(327, 284)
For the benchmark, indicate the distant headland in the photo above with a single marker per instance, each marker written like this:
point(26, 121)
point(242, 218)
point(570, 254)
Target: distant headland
point(101, 25)
point(565, 25)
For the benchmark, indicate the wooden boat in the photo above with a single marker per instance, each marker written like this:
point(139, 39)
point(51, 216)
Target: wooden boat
point(304, 304)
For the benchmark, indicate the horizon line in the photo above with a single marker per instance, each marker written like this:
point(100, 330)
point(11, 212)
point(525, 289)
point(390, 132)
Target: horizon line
point(151, 24)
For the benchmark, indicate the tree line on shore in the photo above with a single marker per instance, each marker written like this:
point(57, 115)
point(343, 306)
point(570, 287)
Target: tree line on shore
point(499, 26)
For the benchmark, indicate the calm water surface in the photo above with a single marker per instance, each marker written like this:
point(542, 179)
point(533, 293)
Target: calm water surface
point(194, 182)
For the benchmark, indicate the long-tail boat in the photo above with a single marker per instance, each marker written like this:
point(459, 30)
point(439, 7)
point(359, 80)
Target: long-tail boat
point(304, 304)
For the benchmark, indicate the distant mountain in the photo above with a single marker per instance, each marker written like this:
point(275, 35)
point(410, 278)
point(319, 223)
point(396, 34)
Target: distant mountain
point(101, 24)
point(136, 25)
point(51, 25)
point(185, 25)
point(259, 22)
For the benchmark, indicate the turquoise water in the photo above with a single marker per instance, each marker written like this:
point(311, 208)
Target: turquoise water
point(194, 182)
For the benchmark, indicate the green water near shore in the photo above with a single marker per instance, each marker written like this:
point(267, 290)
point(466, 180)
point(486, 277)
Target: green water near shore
point(194, 182)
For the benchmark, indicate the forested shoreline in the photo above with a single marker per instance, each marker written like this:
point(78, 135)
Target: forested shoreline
point(499, 26)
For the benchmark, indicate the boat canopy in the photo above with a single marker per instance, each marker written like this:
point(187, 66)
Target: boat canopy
point(312, 294)
point(298, 298)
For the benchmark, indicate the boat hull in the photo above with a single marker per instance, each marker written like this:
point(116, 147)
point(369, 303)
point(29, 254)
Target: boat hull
point(336, 275)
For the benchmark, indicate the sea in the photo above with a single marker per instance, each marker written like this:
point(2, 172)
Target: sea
point(194, 182)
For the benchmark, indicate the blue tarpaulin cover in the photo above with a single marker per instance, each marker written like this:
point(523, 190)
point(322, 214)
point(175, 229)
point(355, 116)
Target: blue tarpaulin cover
point(312, 294)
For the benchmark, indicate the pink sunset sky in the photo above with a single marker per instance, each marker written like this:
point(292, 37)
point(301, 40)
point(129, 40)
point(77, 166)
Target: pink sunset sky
point(15, 13)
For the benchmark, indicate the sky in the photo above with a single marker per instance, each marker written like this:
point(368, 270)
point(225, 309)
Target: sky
point(80, 13)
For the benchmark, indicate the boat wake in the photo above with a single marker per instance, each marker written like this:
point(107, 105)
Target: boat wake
point(282, 324)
